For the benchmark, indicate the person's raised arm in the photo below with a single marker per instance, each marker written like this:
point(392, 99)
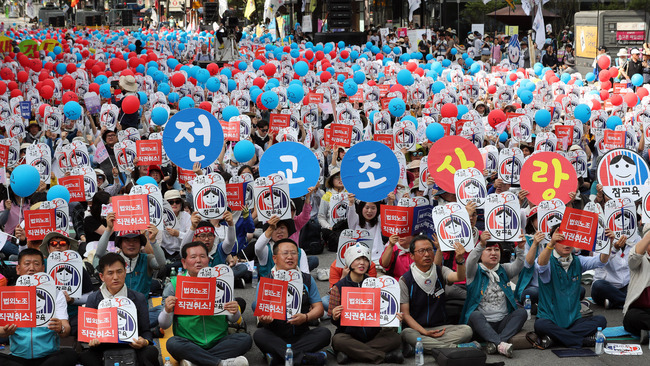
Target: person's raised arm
point(532, 251)
point(194, 222)
point(545, 256)
point(353, 216)
point(387, 255)
point(471, 263)
point(459, 275)
point(157, 260)
point(263, 240)
point(231, 235)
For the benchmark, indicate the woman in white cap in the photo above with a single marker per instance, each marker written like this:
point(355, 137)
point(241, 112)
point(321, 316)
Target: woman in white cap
point(361, 344)
point(174, 234)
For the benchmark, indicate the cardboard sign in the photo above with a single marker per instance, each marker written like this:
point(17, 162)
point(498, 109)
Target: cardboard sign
point(272, 197)
point(131, 212)
point(196, 295)
point(450, 154)
point(235, 193)
point(361, 307)
point(602, 243)
point(579, 228)
point(341, 134)
point(385, 138)
point(39, 223)
point(45, 296)
point(18, 306)
point(350, 238)
point(155, 201)
point(396, 220)
point(452, 225)
point(209, 194)
point(622, 172)
point(66, 269)
point(271, 298)
point(389, 299)
point(294, 289)
point(185, 175)
point(564, 136)
point(314, 98)
point(510, 163)
point(149, 152)
point(548, 175)
point(550, 214)
point(224, 288)
point(127, 317)
point(278, 121)
point(470, 186)
point(620, 217)
point(75, 185)
point(100, 324)
point(230, 130)
point(613, 140)
point(423, 220)
point(4, 154)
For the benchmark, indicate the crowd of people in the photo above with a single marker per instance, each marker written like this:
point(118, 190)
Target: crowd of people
point(458, 295)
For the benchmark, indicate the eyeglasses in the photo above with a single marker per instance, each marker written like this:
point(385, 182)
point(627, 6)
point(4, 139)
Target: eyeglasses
point(264, 130)
point(175, 202)
point(59, 243)
point(288, 254)
point(205, 236)
point(423, 251)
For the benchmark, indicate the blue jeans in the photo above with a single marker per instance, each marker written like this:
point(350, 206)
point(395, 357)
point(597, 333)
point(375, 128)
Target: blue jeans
point(153, 316)
point(312, 262)
point(232, 345)
point(533, 291)
point(601, 290)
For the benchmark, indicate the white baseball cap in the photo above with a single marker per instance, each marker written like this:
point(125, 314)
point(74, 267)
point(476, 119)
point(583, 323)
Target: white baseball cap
point(636, 52)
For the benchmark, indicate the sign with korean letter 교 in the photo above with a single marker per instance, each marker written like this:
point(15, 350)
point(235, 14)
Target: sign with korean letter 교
point(388, 298)
point(272, 298)
point(622, 172)
point(370, 171)
point(39, 223)
point(235, 192)
point(272, 197)
point(350, 237)
point(127, 317)
point(579, 228)
point(210, 199)
point(341, 134)
point(361, 307)
point(548, 175)
point(450, 154)
point(45, 296)
point(225, 278)
point(196, 295)
point(131, 212)
point(620, 217)
point(18, 306)
point(66, 269)
point(193, 136)
point(278, 121)
point(75, 185)
point(396, 220)
point(98, 324)
point(149, 152)
point(452, 225)
point(295, 162)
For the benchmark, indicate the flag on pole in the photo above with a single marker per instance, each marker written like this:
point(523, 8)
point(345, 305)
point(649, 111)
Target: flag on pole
point(250, 8)
point(413, 6)
point(538, 27)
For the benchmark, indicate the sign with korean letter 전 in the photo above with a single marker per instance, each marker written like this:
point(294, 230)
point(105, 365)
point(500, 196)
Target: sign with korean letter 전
point(360, 307)
point(579, 228)
point(193, 136)
point(195, 295)
point(548, 175)
point(149, 152)
point(131, 212)
point(98, 324)
point(75, 185)
point(396, 220)
point(272, 298)
point(18, 306)
point(39, 223)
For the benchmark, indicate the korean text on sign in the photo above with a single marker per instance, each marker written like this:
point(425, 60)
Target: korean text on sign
point(98, 324)
point(361, 307)
point(195, 295)
point(18, 306)
point(271, 298)
point(131, 212)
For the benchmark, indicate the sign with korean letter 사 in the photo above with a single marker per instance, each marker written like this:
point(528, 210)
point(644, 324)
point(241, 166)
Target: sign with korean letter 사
point(295, 162)
point(370, 170)
point(193, 136)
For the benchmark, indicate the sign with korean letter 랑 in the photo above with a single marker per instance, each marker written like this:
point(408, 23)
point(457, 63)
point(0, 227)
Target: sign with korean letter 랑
point(193, 136)
point(396, 220)
point(370, 171)
point(18, 306)
point(579, 228)
point(548, 175)
point(361, 307)
point(131, 212)
point(149, 152)
point(272, 298)
point(98, 324)
point(195, 295)
point(39, 223)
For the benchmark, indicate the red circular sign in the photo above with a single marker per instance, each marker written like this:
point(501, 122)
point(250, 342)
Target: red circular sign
point(547, 175)
point(450, 154)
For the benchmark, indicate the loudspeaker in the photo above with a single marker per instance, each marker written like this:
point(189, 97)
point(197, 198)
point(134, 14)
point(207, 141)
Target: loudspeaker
point(211, 12)
point(340, 15)
point(120, 17)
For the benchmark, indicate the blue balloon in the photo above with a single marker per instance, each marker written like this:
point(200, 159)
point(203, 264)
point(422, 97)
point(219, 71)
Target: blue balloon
point(565, 78)
point(58, 191)
point(146, 179)
point(242, 66)
point(582, 112)
point(637, 79)
point(614, 121)
point(526, 96)
point(105, 91)
point(590, 77)
point(202, 75)
point(305, 172)
point(340, 78)
point(437, 87)
point(435, 132)
point(301, 68)
point(143, 97)
point(185, 103)
point(244, 151)
point(454, 51)
point(229, 112)
point(159, 116)
point(446, 62)
point(462, 109)
point(270, 99)
point(227, 72)
point(257, 64)
point(412, 119)
point(350, 87)
point(404, 77)
point(359, 77)
point(370, 180)
point(232, 85)
point(61, 68)
point(57, 50)
point(503, 137)
point(295, 93)
point(164, 88)
point(203, 149)
point(212, 84)
point(72, 110)
point(397, 107)
point(173, 97)
point(542, 117)
point(101, 79)
point(475, 68)
point(24, 180)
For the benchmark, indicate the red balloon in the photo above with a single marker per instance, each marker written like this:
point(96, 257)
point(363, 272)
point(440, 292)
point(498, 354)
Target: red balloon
point(604, 95)
point(130, 104)
point(71, 68)
point(595, 105)
point(449, 110)
point(93, 87)
point(41, 109)
point(616, 99)
point(22, 76)
point(604, 75)
point(605, 85)
point(178, 79)
point(603, 62)
point(68, 82)
point(68, 96)
point(641, 92)
point(213, 68)
point(613, 72)
point(631, 99)
point(309, 54)
point(47, 92)
point(6, 74)
point(319, 55)
point(325, 76)
point(379, 56)
point(513, 77)
point(15, 93)
point(411, 66)
point(345, 54)
point(495, 117)
point(492, 89)
point(3, 87)
point(259, 82)
point(206, 106)
point(270, 69)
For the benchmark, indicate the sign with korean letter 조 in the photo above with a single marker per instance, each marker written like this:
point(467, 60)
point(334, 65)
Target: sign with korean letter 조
point(579, 228)
point(98, 324)
point(131, 212)
point(149, 152)
point(548, 175)
point(39, 223)
point(370, 171)
point(18, 306)
point(361, 307)
point(196, 295)
point(272, 298)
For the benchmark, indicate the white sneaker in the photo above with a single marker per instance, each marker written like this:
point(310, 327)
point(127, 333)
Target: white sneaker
point(186, 363)
point(323, 274)
point(237, 361)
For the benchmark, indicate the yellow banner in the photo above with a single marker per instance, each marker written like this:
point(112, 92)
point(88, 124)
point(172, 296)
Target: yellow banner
point(586, 41)
point(250, 8)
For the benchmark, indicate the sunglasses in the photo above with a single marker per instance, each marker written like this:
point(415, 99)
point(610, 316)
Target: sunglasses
point(58, 243)
point(175, 202)
point(264, 130)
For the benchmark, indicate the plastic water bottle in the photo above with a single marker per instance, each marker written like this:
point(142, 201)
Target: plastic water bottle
point(167, 362)
point(255, 277)
point(117, 364)
point(419, 353)
point(173, 273)
point(513, 257)
point(288, 356)
point(527, 305)
point(600, 341)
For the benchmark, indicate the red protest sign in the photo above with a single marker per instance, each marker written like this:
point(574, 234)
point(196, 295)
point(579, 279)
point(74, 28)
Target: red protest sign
point(235, 193)
point(449, 154)
point(278, 121)
point(18, 306)
point(4, 155)
point(396, 220)
point(185, 175)
point(131, 212)
point(385, 102)
point(613, 139)
point(357, 97)
point(195, 295)
point(272, 298)
point(98, 324)
point(230, 130)
point(39, 223)
point(385, 138)
point(383, 90)
point(327, 135)
point(564, 136)
point(341, 134)
point(618, 87)
point(361, 307)
point(75, 185)
point(579, 228)
point(149, 152)
point(314, 98)
point(542, 175)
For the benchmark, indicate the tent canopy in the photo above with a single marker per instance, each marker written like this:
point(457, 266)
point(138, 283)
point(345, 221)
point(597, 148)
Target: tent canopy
point(507, 13)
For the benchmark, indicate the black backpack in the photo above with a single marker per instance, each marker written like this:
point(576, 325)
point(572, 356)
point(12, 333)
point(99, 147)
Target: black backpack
point(310, 240)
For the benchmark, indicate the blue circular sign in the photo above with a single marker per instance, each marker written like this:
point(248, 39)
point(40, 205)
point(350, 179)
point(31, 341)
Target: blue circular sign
point(295, 162)
point(193, 135)
point(370, 170)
